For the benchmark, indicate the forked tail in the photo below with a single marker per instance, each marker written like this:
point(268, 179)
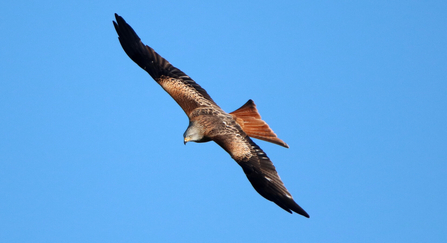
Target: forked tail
point(249, 119)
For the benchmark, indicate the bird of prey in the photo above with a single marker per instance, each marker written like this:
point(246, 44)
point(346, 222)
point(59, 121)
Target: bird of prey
point(208, 122)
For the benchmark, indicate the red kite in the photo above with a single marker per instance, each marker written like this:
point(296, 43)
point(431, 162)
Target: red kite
point(208, 122)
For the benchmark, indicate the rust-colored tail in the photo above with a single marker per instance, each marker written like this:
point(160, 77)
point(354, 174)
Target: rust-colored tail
point(249, 119)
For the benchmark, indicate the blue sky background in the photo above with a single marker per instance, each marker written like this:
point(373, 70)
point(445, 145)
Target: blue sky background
point(91, 148)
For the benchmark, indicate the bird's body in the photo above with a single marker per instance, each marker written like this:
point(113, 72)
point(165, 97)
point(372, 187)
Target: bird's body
point(208, 122)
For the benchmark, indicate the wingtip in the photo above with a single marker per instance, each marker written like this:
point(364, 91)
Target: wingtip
point(305, 215)
point(301, 211)
point(295, 209)
point(290, 205)
point(119, 20)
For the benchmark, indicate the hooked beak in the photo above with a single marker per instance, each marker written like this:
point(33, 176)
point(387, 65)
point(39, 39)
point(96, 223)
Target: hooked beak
point(185, 140)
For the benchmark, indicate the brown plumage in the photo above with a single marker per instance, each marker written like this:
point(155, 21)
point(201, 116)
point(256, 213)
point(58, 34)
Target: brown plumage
point(208, 122)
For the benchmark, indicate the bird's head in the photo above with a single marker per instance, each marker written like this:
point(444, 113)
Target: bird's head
point(194, 133)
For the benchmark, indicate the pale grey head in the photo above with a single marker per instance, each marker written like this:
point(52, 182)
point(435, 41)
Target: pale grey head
point(194, 133)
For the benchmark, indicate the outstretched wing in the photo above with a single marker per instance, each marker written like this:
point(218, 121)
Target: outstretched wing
point(259, 170)
point(187, 93)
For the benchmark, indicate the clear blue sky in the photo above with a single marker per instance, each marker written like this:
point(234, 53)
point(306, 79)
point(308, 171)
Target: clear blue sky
point(91, 148)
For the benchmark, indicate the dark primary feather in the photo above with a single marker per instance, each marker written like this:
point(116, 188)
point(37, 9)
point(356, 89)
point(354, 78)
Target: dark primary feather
point(261, 172)
point(150, 60)
point(262, 175)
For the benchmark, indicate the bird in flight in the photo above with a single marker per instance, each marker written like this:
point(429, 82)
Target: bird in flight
point(208, 122)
